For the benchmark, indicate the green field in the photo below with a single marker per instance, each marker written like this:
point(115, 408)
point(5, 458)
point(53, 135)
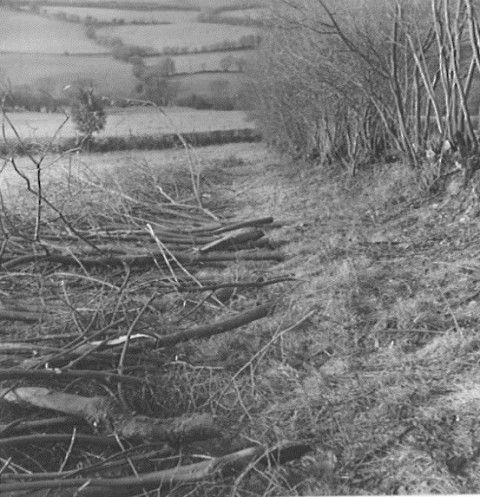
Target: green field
point(209, 85)
point(206, 61)
point(144, 4)
point(192, 35)
point(216, 4)
point(131, 121)
point(107, 15)
point(52, 73)
point(20, 32)
point(244, 13)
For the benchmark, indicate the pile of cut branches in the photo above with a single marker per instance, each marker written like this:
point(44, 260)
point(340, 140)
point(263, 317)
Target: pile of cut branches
point(94, 303)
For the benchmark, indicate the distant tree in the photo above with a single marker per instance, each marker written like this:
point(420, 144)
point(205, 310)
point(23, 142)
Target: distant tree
point(88, 112)
point(158, 89)
point(139, 68)
point(167, 67)
point(241, 63)
point(90, 32)
point(226, 63)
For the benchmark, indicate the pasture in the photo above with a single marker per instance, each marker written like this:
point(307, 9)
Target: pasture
point(217, 4)
point(128, 15)
point(206, 61)
point(27, 33)
point(114, 4)
point(51, 73)
point(209, 85)
point(191, 35)
point(130, 121)
point(244, 13)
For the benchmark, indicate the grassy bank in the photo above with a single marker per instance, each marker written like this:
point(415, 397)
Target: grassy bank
point(382, 377)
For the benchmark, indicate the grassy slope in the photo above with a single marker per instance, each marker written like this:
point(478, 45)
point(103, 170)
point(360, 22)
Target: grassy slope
point(107, 15)
point(209, 61)
point(242, 13)
point(192, 35)
point(53, 72)
point(384, 374)
point(131, 121)
point(33, 34)
point(108, 164)
point(208, 84)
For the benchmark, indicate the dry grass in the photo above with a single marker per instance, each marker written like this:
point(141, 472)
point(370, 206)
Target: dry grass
point(383, 373)
point(20, 32)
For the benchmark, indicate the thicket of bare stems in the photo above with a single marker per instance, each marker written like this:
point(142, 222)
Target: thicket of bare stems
point(354, 81)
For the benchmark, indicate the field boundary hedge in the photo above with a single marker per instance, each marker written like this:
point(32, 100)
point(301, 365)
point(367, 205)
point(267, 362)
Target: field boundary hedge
point(120, 5)
point(139, 142)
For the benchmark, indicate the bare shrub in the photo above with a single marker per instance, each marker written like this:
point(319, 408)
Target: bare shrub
point(355, 80)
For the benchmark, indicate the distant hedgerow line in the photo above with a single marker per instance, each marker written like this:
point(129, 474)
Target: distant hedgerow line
point(140, 142)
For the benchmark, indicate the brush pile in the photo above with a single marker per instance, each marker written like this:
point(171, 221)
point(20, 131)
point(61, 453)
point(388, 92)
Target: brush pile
point(99, 300)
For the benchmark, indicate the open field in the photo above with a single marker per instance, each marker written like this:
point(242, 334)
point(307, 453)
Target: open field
point(209, 85)
point(244, 13)
point(28, 33)
point(52, 73)
point(216, 4)
point(116, 4)
point(108, 15)
point(205, 61)
point(132, 121)
point(191, 35)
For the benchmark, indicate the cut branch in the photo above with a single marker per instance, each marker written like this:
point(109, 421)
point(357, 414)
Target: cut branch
point(225, 466)
point(108, 417)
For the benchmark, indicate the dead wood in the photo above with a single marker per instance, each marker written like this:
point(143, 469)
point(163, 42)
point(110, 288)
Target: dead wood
point(145, 259)
point(25, 348)
point(233, 240)
point(218, 467)
point(21, 426)
point(209, 330)
point(37, 374)
point(208, 286)
point(108, 417)
point(53, 438)
point(251, 223)
point(25, 316)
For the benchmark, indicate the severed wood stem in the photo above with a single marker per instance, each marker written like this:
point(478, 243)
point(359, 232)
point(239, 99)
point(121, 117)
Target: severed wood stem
point(108, 417)
point(209, 330)
point(225, 466)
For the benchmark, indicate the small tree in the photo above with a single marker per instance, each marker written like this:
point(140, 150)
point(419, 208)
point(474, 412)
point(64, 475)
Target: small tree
point(226, 63)
point(166, 67)
point(88, 113)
